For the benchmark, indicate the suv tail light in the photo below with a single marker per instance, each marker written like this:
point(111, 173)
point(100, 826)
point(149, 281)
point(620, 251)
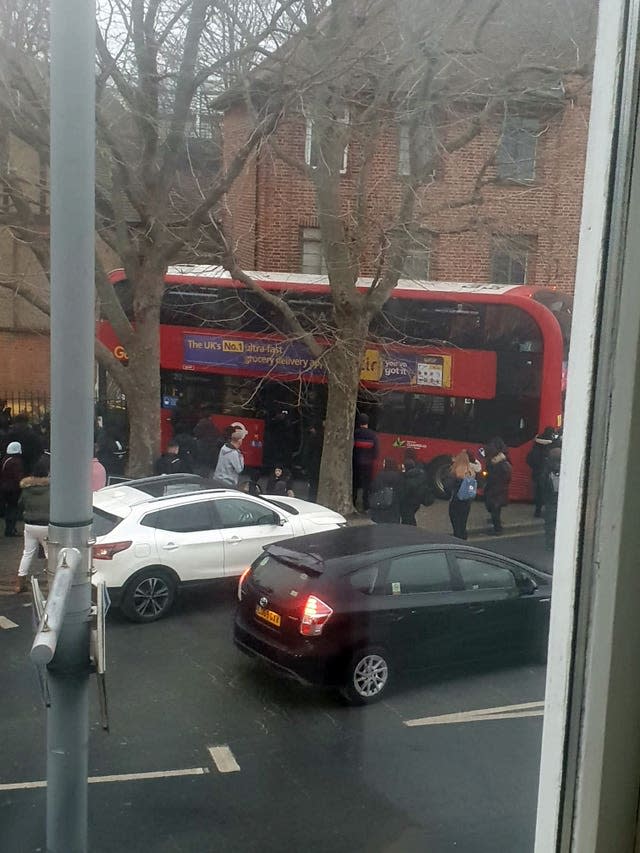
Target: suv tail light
point(314, 617)
point(108, 551)
point(241, 580)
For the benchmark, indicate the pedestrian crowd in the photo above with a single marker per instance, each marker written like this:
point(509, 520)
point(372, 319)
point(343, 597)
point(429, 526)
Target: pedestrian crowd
point(24, 482)
point(397, 491)
point(392, 492)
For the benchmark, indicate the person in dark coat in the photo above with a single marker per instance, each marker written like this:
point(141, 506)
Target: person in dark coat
point(31, 443)
point(385, 494)
point(551, 479)
point(461, 467)
point(536, 459)
point(279, 483)
point(11, 473)
point(35, 497)
point(172, 462)
point(312, 457)
point(413, 491)
point(496, 488)
point(365, 453)
point(208, 442)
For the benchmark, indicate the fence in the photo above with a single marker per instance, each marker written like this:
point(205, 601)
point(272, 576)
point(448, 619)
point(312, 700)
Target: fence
point(37, 405)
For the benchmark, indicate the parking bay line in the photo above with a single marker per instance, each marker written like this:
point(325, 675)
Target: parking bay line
point(7, 623)
point(118, 777)
point(504, 712)
point(224, 759)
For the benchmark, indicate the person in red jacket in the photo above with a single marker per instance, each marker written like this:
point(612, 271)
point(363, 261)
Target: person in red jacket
point(365, 452)
point(11, 472)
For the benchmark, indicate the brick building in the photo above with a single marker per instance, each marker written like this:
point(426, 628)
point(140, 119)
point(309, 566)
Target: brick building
point(503, 207)
point(524, 227)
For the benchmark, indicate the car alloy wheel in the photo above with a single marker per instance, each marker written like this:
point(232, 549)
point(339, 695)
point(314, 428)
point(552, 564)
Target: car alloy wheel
point(368, 677)
point(149, 596)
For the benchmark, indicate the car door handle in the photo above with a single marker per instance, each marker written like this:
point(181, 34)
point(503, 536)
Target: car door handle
point(234, 540)
point(476, 608)
point(170, 546)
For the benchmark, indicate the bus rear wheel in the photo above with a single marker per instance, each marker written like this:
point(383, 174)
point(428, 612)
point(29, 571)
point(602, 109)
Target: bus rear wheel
point(437, 470)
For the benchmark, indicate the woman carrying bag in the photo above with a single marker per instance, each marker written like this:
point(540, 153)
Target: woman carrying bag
point(463, 488)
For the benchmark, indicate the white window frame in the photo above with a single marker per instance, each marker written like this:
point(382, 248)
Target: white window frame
point(308, 140)
point(590, 767)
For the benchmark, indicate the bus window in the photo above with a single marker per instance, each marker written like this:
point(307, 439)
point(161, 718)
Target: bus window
point(513, 416)
point(509, 328)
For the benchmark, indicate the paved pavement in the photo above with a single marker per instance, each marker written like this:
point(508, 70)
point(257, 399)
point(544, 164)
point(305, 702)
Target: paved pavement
point(518, 519)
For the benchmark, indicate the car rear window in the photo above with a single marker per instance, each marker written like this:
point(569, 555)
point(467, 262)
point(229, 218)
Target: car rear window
point(281, 579)
point(104, 522)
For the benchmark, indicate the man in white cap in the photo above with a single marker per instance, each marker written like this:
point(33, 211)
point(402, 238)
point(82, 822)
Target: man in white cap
point(11, 472)
point(230, 460)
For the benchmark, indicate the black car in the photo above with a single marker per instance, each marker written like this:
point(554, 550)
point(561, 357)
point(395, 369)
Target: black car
point(348, 607)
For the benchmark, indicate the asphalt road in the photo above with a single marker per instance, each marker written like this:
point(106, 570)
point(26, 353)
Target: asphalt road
point(242, 761)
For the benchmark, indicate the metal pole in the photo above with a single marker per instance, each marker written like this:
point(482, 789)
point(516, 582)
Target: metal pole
point(72, 354)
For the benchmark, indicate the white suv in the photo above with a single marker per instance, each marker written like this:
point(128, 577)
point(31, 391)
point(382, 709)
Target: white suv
point(146, 548)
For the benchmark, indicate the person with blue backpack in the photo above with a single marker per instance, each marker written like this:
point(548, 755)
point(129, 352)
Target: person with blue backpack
point(462, 487)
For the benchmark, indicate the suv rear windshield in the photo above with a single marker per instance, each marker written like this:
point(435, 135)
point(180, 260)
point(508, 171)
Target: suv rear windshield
point(280, 579)
point(104, 522)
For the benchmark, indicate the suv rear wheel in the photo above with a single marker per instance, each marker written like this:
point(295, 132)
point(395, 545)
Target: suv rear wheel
point(367, 676)
point(149, 595)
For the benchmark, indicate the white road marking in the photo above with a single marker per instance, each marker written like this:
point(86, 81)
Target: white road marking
point(504, 712)
point(7, 623)
point(224, 759)
point(118, 777)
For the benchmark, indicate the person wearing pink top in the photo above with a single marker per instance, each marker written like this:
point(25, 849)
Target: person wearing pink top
point(98, 474)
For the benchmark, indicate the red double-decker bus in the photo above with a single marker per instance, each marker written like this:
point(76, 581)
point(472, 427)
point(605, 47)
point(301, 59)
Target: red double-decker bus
point(448, 365)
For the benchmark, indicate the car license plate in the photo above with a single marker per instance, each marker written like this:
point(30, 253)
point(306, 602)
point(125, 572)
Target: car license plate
point(268, 615)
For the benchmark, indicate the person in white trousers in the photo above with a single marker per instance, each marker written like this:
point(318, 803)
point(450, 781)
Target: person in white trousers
point(35, 499)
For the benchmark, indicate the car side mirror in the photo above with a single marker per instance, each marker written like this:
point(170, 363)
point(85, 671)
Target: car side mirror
point(282, 520)
point(527, 585)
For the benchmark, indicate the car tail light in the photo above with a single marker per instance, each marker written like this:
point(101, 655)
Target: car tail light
point(241, 580)
point(314, 617)
point(108, 551)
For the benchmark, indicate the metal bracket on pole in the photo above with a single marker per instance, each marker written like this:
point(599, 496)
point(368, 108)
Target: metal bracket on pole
point(46, 639)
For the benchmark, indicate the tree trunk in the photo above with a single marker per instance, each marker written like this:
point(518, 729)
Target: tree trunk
point(143, 387)
point(343, 362)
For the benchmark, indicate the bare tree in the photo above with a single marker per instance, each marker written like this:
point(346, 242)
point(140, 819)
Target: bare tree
point(446, 74)
point(160, 63)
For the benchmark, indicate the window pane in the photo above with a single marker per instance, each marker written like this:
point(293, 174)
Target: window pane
point(404, 157)
point(181, 519)
point(235, 512)
point(312, 253)
point(479, 575)
point(416, 264)
point(427, 571)
point(510, 259)
point(516, 155)
point(365, 579)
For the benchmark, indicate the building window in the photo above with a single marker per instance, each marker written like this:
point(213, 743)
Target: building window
point(311, 149)
point(416, 262)
point(425, 150)
point(313, 261)
point(404, 150)
point(510, 259)
point(516, 155)
point(202, 122)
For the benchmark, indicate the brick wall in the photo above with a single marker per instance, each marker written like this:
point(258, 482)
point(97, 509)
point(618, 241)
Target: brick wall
point(273, 201)
point(24, 363)
point(240, 209)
